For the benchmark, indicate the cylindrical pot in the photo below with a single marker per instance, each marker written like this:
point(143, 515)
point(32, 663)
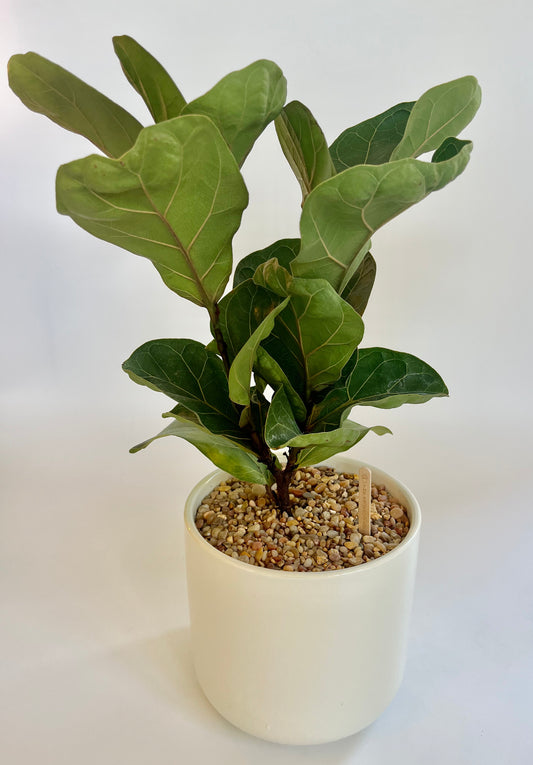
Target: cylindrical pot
point(300, 657)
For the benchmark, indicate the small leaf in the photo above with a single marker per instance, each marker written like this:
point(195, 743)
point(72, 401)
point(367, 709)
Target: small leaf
point(48, 89)
point(360, 286)
point(190, 374)
point(340, 216)
point(241, 370)
point(225, 454)
point(304, 146)
point(441, 112)
point(280, 425)
point(317, 447)
point(316, 334)
point(284, 250)
point(377, 377)
point(176, 198)
point(372, 141)
point(159, 92)
point(243, 103)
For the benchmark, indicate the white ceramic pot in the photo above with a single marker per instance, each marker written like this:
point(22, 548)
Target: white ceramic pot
point(300, 657)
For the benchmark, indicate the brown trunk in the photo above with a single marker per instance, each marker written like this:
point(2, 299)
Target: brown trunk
point(283, 481)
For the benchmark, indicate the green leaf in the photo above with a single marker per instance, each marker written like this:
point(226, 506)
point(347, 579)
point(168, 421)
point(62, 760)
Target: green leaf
point(271, 372)
point(159, 92)
point(304, 146)
point(448, 149)
point(358, 290)
point(243, 103)
point(48, 89)
point(317, 447)
point(280, 426)
point(377, 377)
point(440, 112)
point(176, 198)
point(241, 370)
point(372, 141)
point(340, 216)
point(284, 250)
point(241, 311)
point(316, 334)
point(225, 454)
point(255, 413)
point(190, 374)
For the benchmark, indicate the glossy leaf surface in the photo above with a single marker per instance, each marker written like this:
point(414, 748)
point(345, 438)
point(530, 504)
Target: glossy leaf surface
point(241, 311)
point(48, 89)
point(372, 141)
point(243, 103)
point(191, 375)
point(176, 198)
point(224, 453)
point(272, 373)
point(318, 331)
point(153, 83)
point(378, 377)
point(441, 112)
point(240, 372)
point(304, 146)
point(317, 447)
point(280, 426)
point(285, 250)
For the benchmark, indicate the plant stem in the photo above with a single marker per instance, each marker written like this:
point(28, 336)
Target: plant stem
point(214, 314)
point(283, 481)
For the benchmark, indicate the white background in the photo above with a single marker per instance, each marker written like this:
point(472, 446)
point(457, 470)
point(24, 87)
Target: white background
point(94, 642)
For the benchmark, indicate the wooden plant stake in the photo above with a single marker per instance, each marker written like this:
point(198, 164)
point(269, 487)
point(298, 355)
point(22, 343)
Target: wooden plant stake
point(365, 488)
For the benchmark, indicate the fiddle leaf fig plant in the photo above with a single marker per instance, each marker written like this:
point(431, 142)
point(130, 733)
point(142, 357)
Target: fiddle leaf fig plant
point(285, 367)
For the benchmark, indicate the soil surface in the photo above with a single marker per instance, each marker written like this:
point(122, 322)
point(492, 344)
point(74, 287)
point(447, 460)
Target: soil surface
point(241, 520)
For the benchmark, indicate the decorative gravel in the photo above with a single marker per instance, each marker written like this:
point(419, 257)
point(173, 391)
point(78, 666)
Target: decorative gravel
point(241, 520)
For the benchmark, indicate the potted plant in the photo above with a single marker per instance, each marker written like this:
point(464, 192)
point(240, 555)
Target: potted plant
point(298, 617)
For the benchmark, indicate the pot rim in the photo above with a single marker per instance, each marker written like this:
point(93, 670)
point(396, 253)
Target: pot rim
point(369, 566)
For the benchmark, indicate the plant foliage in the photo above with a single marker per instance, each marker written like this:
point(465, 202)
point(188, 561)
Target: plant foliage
point(173, 192)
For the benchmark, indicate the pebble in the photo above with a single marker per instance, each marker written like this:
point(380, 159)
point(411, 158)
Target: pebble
point(240, 520)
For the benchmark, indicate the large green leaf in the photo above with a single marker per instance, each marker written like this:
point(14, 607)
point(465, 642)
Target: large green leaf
point(280, 426)
point(159, 92)
point(191, 375)
point(304, 145)
point(358, 289)
point(48, 89)
point(225, 454)
point(243, 103)
point(240, 372)
point(316, 334)
point(441, 112)
point(372, 141)
point(317, 447)
point(241, 311)
point(377, 377)
point(176, 198)
point(340, 216)
point(284, 250)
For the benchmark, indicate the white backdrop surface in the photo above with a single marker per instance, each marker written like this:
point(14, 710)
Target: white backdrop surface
point(94, 645)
